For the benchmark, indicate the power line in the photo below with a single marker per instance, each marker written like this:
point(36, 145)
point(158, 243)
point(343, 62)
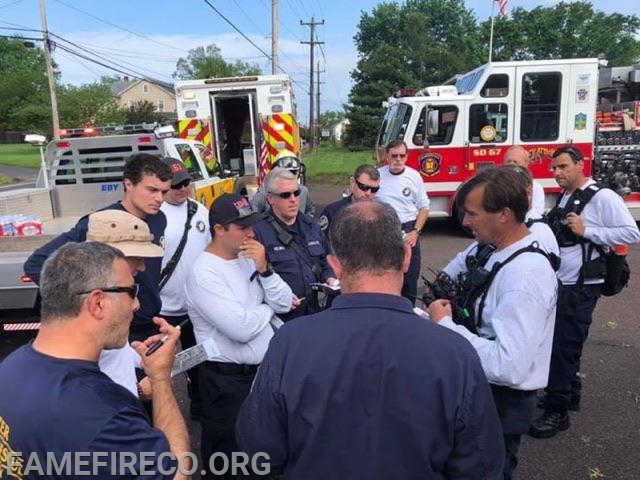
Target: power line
point(9, 4)
point(119, 27)
point(77, 60)
point(249, 18)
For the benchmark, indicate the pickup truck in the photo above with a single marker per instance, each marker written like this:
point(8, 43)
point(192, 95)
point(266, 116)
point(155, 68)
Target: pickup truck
point(82, 174)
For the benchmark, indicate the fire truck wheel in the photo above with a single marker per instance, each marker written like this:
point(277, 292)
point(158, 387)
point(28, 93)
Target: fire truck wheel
point(245, 184)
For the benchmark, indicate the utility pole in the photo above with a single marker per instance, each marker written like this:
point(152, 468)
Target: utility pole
point(274, 36)
point(312, 43)
point(50, 75)
point(318, 83)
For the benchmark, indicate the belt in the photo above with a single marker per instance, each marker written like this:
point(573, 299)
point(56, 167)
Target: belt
point(232, 368)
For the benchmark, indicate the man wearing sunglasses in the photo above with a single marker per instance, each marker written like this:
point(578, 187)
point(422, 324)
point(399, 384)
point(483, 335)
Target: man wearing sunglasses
point(365, 183)
point(146, 180)
point(402, 188)
point(604, 220)
point(185, 238)
point(64, 403)
point(232, 297)
point(287, 160)
point(296, 247)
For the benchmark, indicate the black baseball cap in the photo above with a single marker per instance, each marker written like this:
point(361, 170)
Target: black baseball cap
point(233, 208)
point(180, 173)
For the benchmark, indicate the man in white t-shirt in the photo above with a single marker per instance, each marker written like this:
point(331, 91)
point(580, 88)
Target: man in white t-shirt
point(402, 188)
point(177, 207)
point(517, 155)
point(232, 296)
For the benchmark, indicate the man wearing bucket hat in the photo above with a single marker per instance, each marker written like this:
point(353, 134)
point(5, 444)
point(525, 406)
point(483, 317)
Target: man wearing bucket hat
point(233, 296)
point(289, 161)
point(132, 237)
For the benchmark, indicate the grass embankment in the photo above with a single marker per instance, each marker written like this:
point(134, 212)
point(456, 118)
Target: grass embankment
point(334, 165)
point(20, 155)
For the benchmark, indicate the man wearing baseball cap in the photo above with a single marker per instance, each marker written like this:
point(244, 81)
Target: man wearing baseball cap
point(185, 238)
point(232, 296)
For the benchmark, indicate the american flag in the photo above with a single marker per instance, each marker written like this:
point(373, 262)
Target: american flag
point(502, 4)
point(265, 165)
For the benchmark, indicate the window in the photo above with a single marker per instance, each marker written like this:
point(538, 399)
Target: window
point(394, 126)
point(468, 83)
point(160, 106)
point(145, 88)
point(189, 159)
point(447, 116)
point(540, 118)
point(497, 85)
point(488, 123)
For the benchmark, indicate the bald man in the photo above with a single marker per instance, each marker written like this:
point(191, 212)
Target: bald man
point(517, 155)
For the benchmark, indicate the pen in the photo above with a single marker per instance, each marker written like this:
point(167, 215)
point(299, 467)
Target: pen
point(160, 342)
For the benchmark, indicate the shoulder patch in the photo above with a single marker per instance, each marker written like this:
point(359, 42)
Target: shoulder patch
point(406, 191)
point(323, 221)
point(200, 226)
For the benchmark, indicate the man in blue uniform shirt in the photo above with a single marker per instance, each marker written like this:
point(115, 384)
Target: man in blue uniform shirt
point(146, 180)
point(367, 388)
point(61, 404)
point(296, 247)
point(365, 183)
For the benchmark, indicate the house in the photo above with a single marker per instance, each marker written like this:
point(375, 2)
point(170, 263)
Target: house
point(130, 91)
point(339, 129)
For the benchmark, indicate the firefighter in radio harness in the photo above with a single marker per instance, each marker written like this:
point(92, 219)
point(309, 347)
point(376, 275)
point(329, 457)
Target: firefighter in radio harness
point(585, 219)
point(289, 161)
point(508, 316)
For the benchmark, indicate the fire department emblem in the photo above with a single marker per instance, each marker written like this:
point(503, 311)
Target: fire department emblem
point(324, 222)
point(488, 133)
point(406, 191)
point(580, 121)
point(200, 226)
point(430, 164)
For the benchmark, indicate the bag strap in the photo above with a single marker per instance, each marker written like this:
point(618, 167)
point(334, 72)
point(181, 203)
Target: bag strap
point(533, 247)
point(288, 241)
point(170, 267)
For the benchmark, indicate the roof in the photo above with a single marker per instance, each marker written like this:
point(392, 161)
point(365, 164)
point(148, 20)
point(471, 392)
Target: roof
point(121, 86)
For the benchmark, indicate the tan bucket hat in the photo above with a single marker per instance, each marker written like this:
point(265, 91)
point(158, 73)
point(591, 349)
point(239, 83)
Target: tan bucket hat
point(123, 231)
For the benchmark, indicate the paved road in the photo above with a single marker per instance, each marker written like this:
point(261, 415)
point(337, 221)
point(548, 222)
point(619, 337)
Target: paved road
point(603, 441)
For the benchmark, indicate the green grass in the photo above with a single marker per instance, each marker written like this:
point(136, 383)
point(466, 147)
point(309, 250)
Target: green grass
point(4, 180)
point(20, 155)
point(330, 164)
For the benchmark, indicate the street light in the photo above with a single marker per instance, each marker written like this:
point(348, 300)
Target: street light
point(39, 141)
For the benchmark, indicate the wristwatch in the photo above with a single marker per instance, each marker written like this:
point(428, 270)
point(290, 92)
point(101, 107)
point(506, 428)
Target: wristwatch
point(268, 272)
point(418, 230)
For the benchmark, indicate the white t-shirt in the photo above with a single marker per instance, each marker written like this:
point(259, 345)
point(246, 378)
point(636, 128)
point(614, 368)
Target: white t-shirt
point(537, 201)
point(172, 294)
point(545, 236)
point(515, 338)
point(237, 312)
point(405, 193)
point(119, 365)
point(607, 222)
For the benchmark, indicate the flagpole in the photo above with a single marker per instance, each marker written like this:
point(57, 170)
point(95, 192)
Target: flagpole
point(493, 5)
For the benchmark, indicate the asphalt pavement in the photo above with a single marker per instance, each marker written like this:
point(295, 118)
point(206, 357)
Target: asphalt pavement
point(604, 439)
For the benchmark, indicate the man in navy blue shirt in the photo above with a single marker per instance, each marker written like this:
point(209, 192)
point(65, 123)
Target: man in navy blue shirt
point(56, 401)
point(296, 247)
point(146, 179)
point(367, 388)
point(365, 183)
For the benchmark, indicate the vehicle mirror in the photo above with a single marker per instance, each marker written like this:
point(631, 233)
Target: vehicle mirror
point(433, 121)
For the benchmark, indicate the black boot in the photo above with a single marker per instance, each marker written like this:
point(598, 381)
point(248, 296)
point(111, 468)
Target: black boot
point(548, 424)
point(574, 404)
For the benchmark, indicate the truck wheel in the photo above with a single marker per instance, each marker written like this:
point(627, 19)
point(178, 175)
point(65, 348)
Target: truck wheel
point(246, 185)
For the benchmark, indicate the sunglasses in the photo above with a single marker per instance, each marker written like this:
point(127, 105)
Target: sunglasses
point(131, 290)
point(366, 188)
point(285, 195)
point(397, 155)
point(180, 185)
point(573, 152)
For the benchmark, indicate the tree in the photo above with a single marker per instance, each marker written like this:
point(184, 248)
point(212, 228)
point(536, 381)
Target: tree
point(419, 43)
point(88, 104)
point(207, 62)
point(142, 112)
point(330, 118)
point(24, 92)
point(566, 30)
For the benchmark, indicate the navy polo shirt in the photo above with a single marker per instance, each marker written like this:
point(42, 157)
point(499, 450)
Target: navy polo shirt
point(289, 265)
point(329, 214)
point(149, 294)
point(368, 389)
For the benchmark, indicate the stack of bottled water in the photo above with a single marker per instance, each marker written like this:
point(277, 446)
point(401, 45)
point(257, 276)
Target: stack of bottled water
point(20, 225)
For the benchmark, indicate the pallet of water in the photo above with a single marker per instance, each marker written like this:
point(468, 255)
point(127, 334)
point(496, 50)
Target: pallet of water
point(20, 225)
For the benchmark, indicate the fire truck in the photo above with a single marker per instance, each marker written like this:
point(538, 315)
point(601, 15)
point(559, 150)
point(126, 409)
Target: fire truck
point(455, 130)
point(244, 121)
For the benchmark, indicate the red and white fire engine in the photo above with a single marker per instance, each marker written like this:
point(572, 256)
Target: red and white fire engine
point(454, 130)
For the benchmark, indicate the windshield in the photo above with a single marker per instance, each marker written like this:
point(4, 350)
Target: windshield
point(394, 125)
point(469, 82)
